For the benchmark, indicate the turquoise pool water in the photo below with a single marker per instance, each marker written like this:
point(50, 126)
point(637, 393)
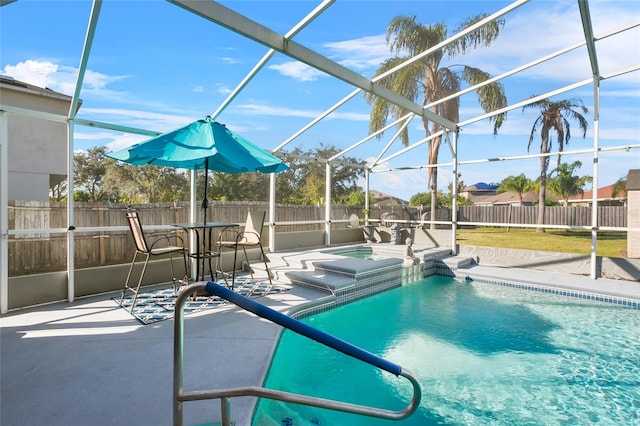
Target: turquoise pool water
point(362, 253)
point(485, 354)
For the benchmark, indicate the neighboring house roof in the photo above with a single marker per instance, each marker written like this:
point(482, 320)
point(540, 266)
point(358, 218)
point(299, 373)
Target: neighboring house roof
point(604, 193)
point(480, 186)
point(507, 197)
point(11, 83)
point(382, 199)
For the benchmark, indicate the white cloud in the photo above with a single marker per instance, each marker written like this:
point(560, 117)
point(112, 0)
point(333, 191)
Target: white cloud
point(79, 135)
point(123, 141)
point(158, 122)
point(229, 60)
point(361, 53)
point(541, 28)
point(42, 74)
point(267, 110)
point(223, 89)
point(297, 71)
point(59, 78)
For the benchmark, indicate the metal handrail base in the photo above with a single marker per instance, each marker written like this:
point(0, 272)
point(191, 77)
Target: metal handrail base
point(180, 396)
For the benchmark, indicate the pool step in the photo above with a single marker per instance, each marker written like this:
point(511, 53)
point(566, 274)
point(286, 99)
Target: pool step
point(432, 258)
point(450, 265)
point(321, 280)
point(350, 276)
point(341, 275)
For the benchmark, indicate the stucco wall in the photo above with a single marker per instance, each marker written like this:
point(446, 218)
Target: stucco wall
point(37, 148)
point(633, 237)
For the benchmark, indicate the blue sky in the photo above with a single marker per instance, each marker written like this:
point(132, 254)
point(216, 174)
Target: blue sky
point(156, 66)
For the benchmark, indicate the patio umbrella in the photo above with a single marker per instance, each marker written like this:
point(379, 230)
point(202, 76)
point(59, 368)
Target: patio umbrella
point(203, 144)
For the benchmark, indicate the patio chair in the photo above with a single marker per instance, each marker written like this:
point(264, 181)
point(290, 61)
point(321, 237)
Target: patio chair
point(248, 237)
point(158, 244)
point(387, 218)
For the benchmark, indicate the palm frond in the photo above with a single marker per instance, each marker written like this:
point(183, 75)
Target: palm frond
point(491, 97)
point(482, 36)
point(534, 131)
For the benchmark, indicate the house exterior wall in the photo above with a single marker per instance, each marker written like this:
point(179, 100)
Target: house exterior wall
point(37, 148)
point(633, 237)
point(633, 212)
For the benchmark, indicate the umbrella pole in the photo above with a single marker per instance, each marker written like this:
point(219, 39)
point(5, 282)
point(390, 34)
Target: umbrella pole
point(205, 202)
point(205, 207)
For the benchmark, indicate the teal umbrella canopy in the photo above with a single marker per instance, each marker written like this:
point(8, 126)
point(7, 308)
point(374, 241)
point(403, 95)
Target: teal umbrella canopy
point(203, 144)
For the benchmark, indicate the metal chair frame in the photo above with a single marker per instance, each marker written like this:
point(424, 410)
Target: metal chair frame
point(161, 245)
point(249, 237)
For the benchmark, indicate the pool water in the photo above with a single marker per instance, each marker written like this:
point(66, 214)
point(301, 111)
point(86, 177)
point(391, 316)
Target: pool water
point(484, 354)
point(362, 254)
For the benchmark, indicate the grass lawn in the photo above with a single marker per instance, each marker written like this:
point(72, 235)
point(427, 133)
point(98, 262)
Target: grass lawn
point(610, 244)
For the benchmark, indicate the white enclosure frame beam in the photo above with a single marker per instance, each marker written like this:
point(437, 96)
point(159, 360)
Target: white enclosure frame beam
point(454, 192)
point(272, 212)
point(405, 64)
point(595, 69)
point(327, 204)
point(263, 61)
point(513, 157)
point(4, 213)
point(75, 102)
point(255, 31)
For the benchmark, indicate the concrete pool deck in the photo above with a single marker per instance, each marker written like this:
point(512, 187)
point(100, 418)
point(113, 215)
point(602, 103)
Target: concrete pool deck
point(91, 362)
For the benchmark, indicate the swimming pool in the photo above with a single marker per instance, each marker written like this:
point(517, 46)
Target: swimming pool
point(485, 354)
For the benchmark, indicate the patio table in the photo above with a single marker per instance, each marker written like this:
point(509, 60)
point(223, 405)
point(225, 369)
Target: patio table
point(203, 249)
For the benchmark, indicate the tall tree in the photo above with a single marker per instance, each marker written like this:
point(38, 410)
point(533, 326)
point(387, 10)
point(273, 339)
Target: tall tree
point(58, 191)
point(565, 184)
point(145, 184)
point(90, 169)
point(429, 80)
point(553, 118)
point(237, 187)
point(519, 184)
point(304, 181)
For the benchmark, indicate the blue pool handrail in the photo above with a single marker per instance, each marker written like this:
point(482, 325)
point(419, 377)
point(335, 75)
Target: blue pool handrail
point(180, 396)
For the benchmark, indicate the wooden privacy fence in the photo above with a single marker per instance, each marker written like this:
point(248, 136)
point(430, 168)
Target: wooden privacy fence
point(38, 252)
point(610, 216)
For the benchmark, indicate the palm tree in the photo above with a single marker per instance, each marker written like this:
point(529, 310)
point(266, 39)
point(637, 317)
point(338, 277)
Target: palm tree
point(519, 184)
point(620, 188)
point(553, 117)
point(565, 184)
point(429, 80)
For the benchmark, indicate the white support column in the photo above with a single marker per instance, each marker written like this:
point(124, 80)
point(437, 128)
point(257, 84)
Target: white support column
point(4, 213)
point(272, 212)
point(366, 190)
point(454, 197)
point(594, 201)
point(327, 205)
point(70, 217)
